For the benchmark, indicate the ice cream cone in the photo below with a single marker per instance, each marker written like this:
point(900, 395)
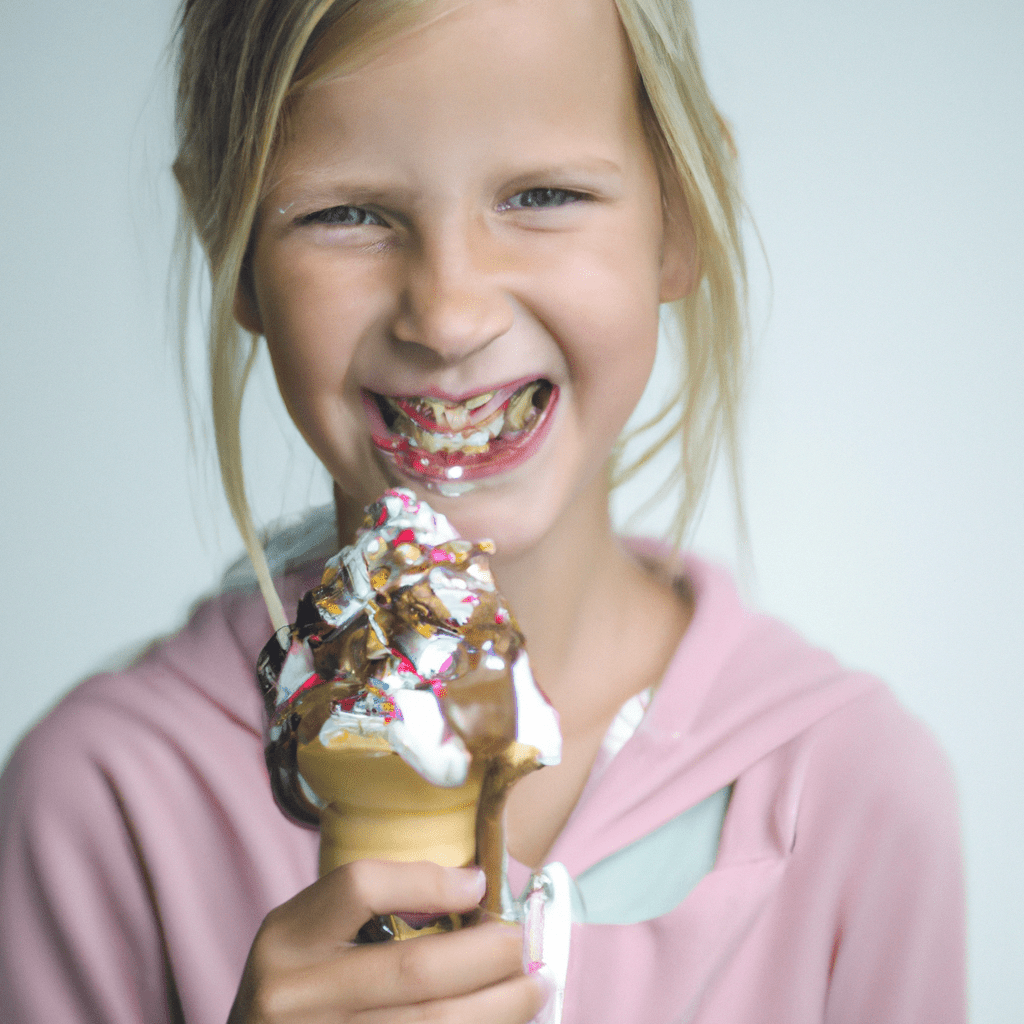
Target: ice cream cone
point(376, 806)
point(401, 706)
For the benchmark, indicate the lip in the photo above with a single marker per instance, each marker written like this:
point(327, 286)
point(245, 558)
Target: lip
point(433, 469)
point(448, 396)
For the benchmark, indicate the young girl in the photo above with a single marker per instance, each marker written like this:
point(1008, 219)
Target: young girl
point(445, 206)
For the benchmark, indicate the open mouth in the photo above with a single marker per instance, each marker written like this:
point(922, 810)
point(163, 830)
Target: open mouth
point(481, 435)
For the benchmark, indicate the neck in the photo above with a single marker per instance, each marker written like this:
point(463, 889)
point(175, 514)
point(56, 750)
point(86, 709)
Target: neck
point(564, 589)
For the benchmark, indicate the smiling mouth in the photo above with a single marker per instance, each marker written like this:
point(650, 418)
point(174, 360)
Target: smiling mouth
point(443, 440)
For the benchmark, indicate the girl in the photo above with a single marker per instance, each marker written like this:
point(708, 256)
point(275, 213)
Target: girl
point(444, 206)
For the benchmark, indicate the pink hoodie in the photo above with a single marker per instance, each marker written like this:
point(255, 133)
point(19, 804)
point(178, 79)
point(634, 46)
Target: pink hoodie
point(140, 847)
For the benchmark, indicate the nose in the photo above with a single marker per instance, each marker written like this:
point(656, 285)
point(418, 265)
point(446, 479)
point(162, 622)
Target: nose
point(452, 303)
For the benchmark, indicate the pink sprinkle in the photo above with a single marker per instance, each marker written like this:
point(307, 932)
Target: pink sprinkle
point(440, 690)
point(382, 518)
point(406, 537)
point(500, 617)
point(439, 555)
point(447, 664)
point(534, 966)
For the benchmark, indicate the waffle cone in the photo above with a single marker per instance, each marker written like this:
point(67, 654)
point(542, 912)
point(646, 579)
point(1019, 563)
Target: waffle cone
point(376, 806)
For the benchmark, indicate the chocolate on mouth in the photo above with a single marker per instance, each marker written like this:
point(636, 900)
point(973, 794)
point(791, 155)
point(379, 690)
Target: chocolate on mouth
point(471, 427)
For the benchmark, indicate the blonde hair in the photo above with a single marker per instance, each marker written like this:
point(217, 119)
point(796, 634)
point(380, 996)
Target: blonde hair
point(240, 63)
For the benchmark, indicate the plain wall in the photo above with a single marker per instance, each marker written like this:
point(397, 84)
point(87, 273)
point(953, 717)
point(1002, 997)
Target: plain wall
point(884, 441)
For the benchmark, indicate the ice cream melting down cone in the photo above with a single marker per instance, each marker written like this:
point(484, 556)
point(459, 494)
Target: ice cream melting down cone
point(401, 706)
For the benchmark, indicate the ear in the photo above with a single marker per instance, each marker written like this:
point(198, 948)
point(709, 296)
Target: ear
point(246, 311)
point(680, 265)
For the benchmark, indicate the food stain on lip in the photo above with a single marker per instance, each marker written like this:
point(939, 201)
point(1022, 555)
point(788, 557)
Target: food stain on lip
point(441, 439)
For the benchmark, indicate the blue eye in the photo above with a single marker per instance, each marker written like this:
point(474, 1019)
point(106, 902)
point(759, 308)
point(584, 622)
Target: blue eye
point(540, 198)
point(344, 216)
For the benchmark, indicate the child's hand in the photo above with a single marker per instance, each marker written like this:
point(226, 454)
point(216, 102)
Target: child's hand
point(303, 967)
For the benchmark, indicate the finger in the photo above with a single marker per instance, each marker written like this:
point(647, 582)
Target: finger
point(333, 909)
point(515, 1001)
point(419, 888)
point(433, 967)
point(396, 974)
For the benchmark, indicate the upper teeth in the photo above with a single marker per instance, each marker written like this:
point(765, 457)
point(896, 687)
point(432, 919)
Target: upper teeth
point(457, 432)
point(455, 414)
point(520, 405)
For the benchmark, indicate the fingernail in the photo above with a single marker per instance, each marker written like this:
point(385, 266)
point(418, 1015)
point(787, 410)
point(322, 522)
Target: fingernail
point(474, 881)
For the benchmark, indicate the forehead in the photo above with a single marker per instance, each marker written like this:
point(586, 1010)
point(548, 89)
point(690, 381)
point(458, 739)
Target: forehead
point(510, 66)
point(371, 29)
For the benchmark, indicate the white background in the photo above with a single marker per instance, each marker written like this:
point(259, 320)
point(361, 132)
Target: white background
point(884, 163)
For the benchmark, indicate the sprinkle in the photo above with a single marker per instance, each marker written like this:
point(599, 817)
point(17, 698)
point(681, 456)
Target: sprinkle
point(380, 577)
point(501, 617)
point(405, 537)
point(376, 701)
point(487, 546)
point(409, 552)
point(440, 555)
point(440, 690)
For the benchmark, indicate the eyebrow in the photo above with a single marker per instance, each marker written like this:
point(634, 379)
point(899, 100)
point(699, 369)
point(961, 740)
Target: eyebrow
point(319, 190)
point(324, 189)
point(597, 166)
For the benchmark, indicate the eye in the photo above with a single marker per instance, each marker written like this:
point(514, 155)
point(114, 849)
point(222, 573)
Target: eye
point(541, 198)
point(344, 216)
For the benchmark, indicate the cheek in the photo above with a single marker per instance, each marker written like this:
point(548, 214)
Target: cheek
point(612, 363)
point(615, 295)
point(310, 334)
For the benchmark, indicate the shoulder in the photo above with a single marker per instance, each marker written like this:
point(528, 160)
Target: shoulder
point(873, 755)
point(189, 692)
point(877, 852)
point(72, 757)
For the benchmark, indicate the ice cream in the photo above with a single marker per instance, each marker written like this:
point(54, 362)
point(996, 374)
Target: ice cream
point(401, 706)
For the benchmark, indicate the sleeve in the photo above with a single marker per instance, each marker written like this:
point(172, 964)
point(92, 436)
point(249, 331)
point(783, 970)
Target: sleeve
point(79, 940)
point(899, 947)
